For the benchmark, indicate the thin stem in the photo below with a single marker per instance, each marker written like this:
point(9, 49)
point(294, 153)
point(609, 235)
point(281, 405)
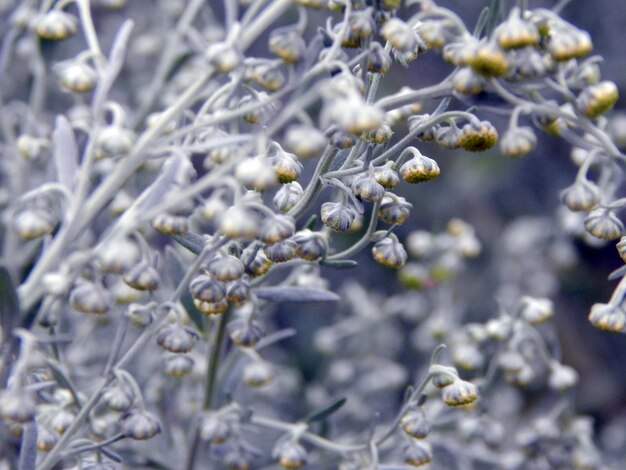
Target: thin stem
point(315, 184)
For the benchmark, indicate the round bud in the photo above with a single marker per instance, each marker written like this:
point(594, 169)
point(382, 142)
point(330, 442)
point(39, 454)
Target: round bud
point(287, 196)
point(311, 245)
point(215, 428)
point(380, 135)
point(448, 137)
point(290, 454)
point(561, 377)
point(170, 224)
point(415, 424)
point(568, 42)
point(226, 268)
point(117, 398)
point(267, 75)
point(488, 60)
point(281, 251)
point(286, 166)
point(87, 297)
point(256, 262)
point(178, 365)
point(517, 141)
point(342, 140)
point(338, 216)
point(238, 291)
point(245, 332)
point(534, 310)
point(78, 77)
point(56, 25)
point(144, 276)
point(211, 308)
point(256, 173)
point(224, 56)
point(459, 393)
point(516, 32)
point(608, 317)
point(46, 438)
point(389, 252)
point(257, 373)
point(287, 45)
point(378, 59)
point(582, 195)
point(207, 289)
point(118, 256)
point(31, 224)
point(419, 169)
point(478, 136)
point(17, 406)
point(140, 425)
point(276, 228)
point(418, 126)
point(418, 453)
point(305, 141)
point(367, 188)
point(597, 99)
point(239, 222)
point(604, 224)
point(386, 176)
point(394, 210)
point(401, 35)
point(176, 338)
point(115, 140)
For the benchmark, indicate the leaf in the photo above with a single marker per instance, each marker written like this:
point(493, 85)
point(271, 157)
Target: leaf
point(192, 241)
point(339, 263)
point(115, 63)
point(295, 294)
point(65, 152)
point(176, 272)
point(327, 411)
point(28, 451)
point(9, 304)
point(618, 273)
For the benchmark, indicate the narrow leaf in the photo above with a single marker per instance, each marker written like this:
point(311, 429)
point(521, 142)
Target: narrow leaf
point(327, 411)
point(9, 306)
point(65, 152)
point(339, 263)
point(295, 294)
point(28, 451)
point(618, 273)
point(192, 241)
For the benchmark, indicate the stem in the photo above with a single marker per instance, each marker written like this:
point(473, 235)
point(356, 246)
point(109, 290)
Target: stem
point(209, 391)
point(315, 184)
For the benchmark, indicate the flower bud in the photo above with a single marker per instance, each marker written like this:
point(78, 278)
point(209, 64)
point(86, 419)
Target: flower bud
point(342, 140)
point(488, 60)
point(224, 56)
point(176, 338)
point(379, 135)
point(311, 246)
point(287, 196)
point(178, 365)
point(238, 222)
point(367, 188)
point(277, 228)
point(448, 137)
point(226, 268)
point(87, 297)
point(338, 216)
point(31, 224)
point(478, 136)
point(604, 224)
point(281, 251)
point(207, 289)
point(140, 425)
point(256, 262)
point(257, 373)
point(78, 77)
point(305, 141)
point(535, 310)
point(238, 291)
point(608, 318)
point(17, 405)
point(118, 256)
point(117, 398)
point(419, 169)
point(256, 173)
point(290, 454)
point(245, 332)
point(267, 75)
point(394, 210)
point(144, 276)
point(415, 424)
point(517, 141)
point(561, 377)
point(459, 393)
point(418, 453)
point(287, 45)
point(286, 166)
point(516, 32)
point(211, 308)
point(389, 252)
point(378, 59)
point(401, 36)
point(386, 176)
point(56, 25)
point(46, 438)
point(568, 42)
point(582, 195)
point(427, 133)
point(115, 140)
point(597, 99)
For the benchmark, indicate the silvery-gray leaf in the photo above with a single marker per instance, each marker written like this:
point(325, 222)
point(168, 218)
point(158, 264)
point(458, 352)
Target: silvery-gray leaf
point(65, 152)
point(295, 294)
point(114, 65)
point(618, 273)
point(326, 411)
point(340, 263)
point(192, 241)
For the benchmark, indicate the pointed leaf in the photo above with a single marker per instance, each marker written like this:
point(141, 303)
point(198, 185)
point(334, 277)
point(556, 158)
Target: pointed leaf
point(618, 273)
point(192, 241)
point(327, 411)
point(65, 152)
point(295, 294)
point(339, 263)
point(9, 305)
